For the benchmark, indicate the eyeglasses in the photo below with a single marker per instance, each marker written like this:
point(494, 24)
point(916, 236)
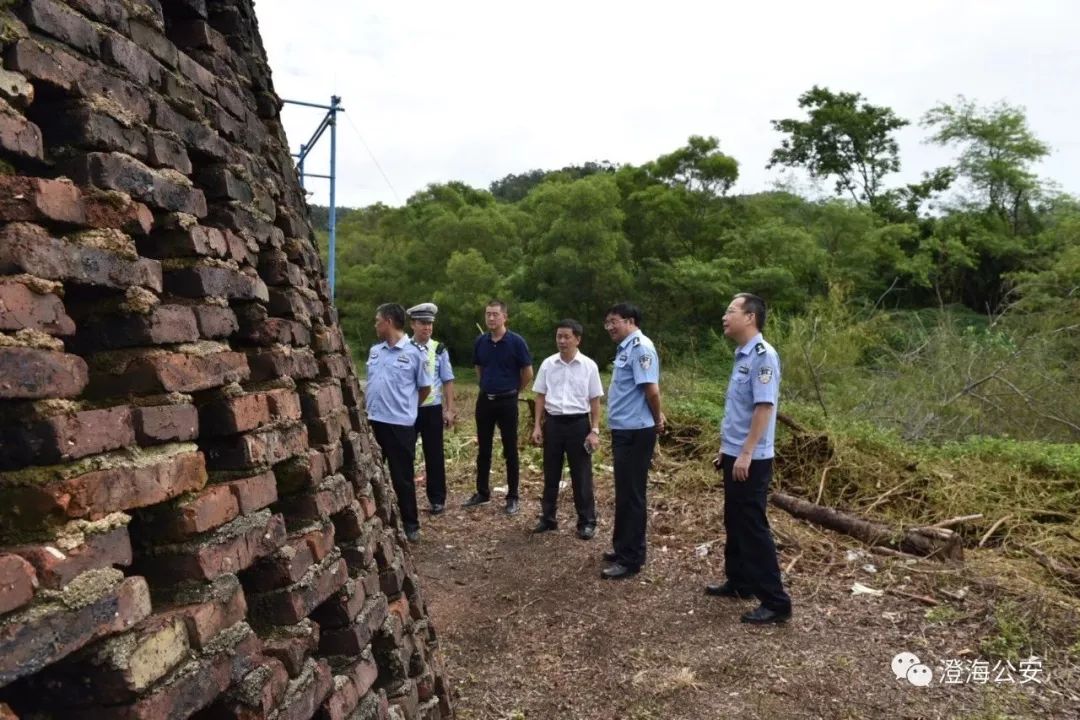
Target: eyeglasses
point(732, 311)
point(608, 324)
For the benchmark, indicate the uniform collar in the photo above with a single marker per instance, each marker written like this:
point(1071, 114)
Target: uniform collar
point(400, 345)
point(628, 338)
point(745, 349)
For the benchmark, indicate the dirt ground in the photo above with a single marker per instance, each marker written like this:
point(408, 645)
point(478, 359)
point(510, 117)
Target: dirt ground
point(529, 630)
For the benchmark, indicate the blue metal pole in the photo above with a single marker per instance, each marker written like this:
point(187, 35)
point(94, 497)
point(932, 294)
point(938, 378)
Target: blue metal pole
point(300, 165)
point(334, 101)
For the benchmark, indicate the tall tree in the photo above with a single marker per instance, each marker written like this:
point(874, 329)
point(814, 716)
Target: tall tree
point(699, 166)
point(997, 150)
point(844, 137)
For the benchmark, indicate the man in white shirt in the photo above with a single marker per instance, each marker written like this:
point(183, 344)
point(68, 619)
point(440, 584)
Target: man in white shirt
point(567, 423)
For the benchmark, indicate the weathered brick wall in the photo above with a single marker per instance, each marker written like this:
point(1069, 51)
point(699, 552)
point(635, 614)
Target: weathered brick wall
point(193, 517)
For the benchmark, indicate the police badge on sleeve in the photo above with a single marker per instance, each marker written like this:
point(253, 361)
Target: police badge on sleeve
point(645, 361)
point(764, 375)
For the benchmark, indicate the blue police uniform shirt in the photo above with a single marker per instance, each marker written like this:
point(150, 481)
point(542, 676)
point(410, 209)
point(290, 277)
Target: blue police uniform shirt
point(501, 362)
point(395, 374)
point(437, 357)
point(636, 363)
point(755, 379)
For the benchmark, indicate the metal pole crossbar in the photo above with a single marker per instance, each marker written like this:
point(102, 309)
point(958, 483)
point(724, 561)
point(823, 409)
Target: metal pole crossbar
point(329, 121)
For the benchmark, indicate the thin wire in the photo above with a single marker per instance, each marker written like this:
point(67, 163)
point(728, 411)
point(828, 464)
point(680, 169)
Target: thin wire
point(372, 155)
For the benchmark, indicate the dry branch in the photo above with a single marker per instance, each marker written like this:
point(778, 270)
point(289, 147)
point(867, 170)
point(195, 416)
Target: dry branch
point(926, 542)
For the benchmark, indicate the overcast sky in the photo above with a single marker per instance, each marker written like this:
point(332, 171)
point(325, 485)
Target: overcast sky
point(473, 90)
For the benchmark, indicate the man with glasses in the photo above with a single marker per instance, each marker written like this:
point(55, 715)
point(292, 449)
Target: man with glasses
point(635, 417)
point(397, 382)
point(504, 368)
point(746, 459)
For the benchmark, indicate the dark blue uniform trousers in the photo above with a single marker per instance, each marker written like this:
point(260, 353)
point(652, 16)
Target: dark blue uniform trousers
point(749, 552)
point(632, 452)
point(398, 444)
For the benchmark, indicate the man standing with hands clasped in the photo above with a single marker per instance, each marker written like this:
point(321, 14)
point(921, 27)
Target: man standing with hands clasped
point(504, 368)
point(567, 422)
point(635, 418)
point(397, 382)
point(746, 459)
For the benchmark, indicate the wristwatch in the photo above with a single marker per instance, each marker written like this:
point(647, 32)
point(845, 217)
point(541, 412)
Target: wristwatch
point(594, 430)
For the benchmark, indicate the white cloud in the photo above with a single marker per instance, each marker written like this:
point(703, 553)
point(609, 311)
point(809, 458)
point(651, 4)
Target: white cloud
point(478, 89)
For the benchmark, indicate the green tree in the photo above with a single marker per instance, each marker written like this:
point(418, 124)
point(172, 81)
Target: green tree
point(844, 137)
point(997, 149)
point(698, 166)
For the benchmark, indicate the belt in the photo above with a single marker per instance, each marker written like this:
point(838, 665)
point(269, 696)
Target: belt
point(501, 396)
point(567, 418)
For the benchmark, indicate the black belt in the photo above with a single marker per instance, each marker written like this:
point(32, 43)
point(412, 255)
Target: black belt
point(566, 418)
point(501, 396)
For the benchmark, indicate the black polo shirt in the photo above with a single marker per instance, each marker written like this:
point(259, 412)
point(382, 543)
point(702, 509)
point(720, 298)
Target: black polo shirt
point(502, 361)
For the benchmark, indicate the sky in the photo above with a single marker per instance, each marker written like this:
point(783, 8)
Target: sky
point(474, 90)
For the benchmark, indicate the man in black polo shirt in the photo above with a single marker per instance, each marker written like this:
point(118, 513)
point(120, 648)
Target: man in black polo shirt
point(504, 367)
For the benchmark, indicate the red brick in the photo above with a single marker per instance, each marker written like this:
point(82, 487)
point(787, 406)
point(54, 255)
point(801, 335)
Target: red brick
point(253, 493)
point(114, 14)
point(239, 249)
point(349, 523)
point(230, 549)
point(164, 150)
point(221, 181)
point(320, 400)
point(84, 548)
point(146, 36)
point(353, 638)
point(335, 366)
point(342, 607)
point(166, 423)
point(51, 65)
point(342, 701)
point(329, 430)
point(125, 54)
point(29, 373)
point(193, 685)
point(164, 324)
point(284, 404)
point(229, 415)
point(209, 280)
point(197, 74)
point(69, 436)
point(209, 609)
point(282, 361)
point(60, 22)
point(116, 171)
point(156, 371)
point(307, 693)
point(112, 209)
point(21, 307)
point(135, 479)
point(363, 673)
point(257, 695)
point(289, 302)
point(86, 126)
point(214, 321)
point(332, 496)
point(18, 580)
point(275, 269)
point(291, 644)
point(180, 235)
point(267, 447)
point(306, 471)
point(211, 507)
point(286, 566)
point(327, 340)
point(107, 603)
point(30, 249)
point(28, 199)
point(290, 605)
point(18, 135)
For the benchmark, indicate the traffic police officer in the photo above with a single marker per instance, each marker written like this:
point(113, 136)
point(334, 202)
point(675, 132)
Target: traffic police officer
point(746, 459)
point(635, 417)
point(438, 409)
point(397, 382)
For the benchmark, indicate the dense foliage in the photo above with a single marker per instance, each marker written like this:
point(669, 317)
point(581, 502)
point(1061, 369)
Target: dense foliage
point(985, 243)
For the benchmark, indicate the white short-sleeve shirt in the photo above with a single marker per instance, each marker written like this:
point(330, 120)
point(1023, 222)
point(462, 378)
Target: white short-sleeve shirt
point(568, 387)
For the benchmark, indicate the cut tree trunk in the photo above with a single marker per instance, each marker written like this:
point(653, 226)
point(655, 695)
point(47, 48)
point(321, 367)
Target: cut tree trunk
point(924, 541)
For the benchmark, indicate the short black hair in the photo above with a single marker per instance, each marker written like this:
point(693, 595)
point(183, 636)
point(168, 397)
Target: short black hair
point(753, 304)
point(394, 313)
point(572, 325)
point(500, 304)
point(627, 311)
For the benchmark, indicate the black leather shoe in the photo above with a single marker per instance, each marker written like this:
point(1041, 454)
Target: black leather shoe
point(512, 506)
point(586, 532)
point(476, 499)
point(726, 591)
point(413, 535)
point(762, 615)
point(545, 526)
point(618, 572)
point(609, 556)
point(437, 508)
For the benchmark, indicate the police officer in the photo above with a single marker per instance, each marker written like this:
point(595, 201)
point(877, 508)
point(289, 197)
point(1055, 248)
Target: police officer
point(635, 417)
point(397, 382)
point(567, 423)
point(746, 459)
point(437, 410)
point(504, 368)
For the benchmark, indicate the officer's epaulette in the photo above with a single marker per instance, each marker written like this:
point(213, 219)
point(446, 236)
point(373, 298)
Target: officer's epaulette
point(759, 348)
point(418, 346)
point(440, 349)
point(636, 342)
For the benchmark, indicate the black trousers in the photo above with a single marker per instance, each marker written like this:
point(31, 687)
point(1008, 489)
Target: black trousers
point(633, 453)
point(565, 436)
point(749, 552)
point(429, 425)
point(398, 443)
point(504, 413)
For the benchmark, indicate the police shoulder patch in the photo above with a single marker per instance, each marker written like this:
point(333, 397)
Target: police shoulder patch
point(759, 349)
point(645, 361)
